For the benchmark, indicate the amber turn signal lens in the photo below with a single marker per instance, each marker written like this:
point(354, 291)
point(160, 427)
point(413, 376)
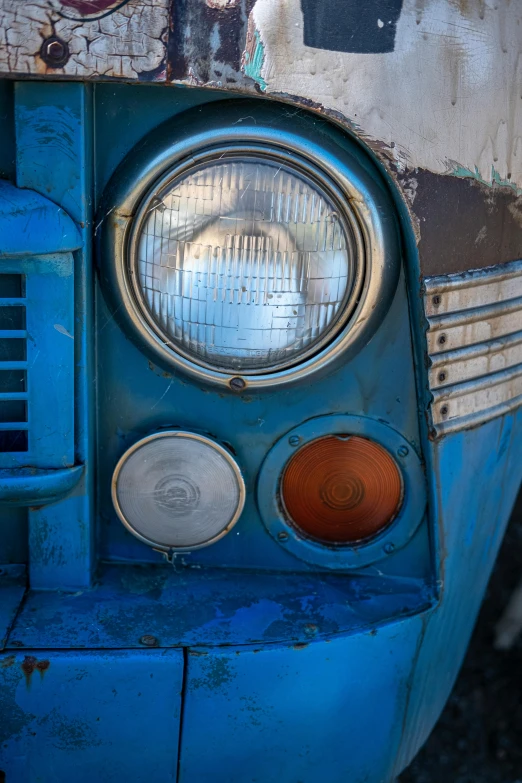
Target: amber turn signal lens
point(340, 490)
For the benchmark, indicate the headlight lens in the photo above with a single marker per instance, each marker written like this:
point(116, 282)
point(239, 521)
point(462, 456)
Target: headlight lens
point(178, 490)
point(245, 264)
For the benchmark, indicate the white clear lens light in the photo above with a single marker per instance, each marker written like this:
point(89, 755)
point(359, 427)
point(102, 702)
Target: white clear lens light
point(178, 490)
point(245, 264)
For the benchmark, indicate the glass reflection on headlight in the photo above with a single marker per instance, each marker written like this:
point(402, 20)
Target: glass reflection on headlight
point(245, 264)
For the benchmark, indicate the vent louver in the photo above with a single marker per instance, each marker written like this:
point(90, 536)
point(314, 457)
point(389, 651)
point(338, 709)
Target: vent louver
point(14, 425)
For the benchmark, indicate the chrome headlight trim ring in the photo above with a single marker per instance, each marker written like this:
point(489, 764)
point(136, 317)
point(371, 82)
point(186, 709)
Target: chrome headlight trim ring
point(177, 147)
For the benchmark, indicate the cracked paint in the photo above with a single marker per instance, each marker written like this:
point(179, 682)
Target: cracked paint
point(123, 40)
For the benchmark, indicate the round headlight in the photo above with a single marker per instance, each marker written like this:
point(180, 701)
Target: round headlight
point(178, 490)
point(246, 248)
point(244, 263)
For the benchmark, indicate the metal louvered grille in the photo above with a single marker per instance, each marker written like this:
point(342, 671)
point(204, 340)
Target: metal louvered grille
point(13, 364)
point(475, 345)
point(245, 264)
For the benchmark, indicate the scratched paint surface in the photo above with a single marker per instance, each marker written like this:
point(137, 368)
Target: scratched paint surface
point(446, 99)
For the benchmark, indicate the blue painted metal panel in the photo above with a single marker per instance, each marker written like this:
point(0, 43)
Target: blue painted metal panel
point(32, 225)
point(136, 398)
point(212, 607)
point(90, 716)
point(54, 157)
point(323, 712)
point(12, 588)
point(476, 477)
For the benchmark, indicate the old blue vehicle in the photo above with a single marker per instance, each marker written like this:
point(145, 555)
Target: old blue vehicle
point(260, 379)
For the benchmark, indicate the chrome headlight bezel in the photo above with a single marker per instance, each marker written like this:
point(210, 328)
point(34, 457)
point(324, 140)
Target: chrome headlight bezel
point(180, 146)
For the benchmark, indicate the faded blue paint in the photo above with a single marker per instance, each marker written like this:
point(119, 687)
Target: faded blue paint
point(12, 588)
point(324, 712)
point(292, 674)
point(495, 179)
point(32, 225)
point(213, 607)
point(477, 476)
point(90, 716)
point(54, 157)
point(34, 487)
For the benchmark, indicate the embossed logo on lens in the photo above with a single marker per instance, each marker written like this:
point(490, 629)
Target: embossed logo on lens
point(177, 494)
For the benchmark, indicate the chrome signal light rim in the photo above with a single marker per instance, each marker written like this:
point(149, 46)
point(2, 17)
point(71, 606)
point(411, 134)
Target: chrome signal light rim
point(185, 435)
point(330, 159)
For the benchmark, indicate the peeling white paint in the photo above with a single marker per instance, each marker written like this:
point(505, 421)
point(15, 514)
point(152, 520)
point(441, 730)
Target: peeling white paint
point(448, 99)
point(124, 43)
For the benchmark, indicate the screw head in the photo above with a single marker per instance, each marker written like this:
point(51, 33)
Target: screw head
point(442, 376)
point(237, 384)
point(442, 339)
point(436, 300)
point(54, 52)
point(389, 548)
point(148, 640)
point(444, 410)
point(282, 537)
point(403, 451)
point(294, 440)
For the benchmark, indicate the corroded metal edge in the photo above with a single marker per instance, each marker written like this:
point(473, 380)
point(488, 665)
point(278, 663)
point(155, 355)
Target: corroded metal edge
point(474, 341)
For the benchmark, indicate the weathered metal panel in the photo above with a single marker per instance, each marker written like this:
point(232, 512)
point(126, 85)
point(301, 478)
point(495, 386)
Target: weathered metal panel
point(95, 39)
point(12, 588)
point(54, 157)
point(476, 479)
point(475, 345)
point(331, 712)
point(90, 716)
point(212, 607)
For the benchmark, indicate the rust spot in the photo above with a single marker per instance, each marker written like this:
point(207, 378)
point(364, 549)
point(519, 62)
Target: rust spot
point(6, 662)
point(300, 645)
point(30, 664)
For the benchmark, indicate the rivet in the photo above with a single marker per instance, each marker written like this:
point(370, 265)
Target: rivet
point(436, 300)
point(237, 384)
point(294, 440)
point(442, 376)
point(282, 536)
point(442, 339)
point(54, 52)
point(403, 451)
point(444, 410)
point(389, 548)
point(149, 641)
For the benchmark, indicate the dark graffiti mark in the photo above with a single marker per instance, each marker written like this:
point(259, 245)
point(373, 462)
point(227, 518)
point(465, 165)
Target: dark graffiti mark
point(464, 224)
point(359, 26)
point(207, 40)
point(92, 9)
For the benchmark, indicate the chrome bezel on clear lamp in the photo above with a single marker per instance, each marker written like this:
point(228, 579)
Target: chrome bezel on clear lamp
point(180, 147)
point(188, 435)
